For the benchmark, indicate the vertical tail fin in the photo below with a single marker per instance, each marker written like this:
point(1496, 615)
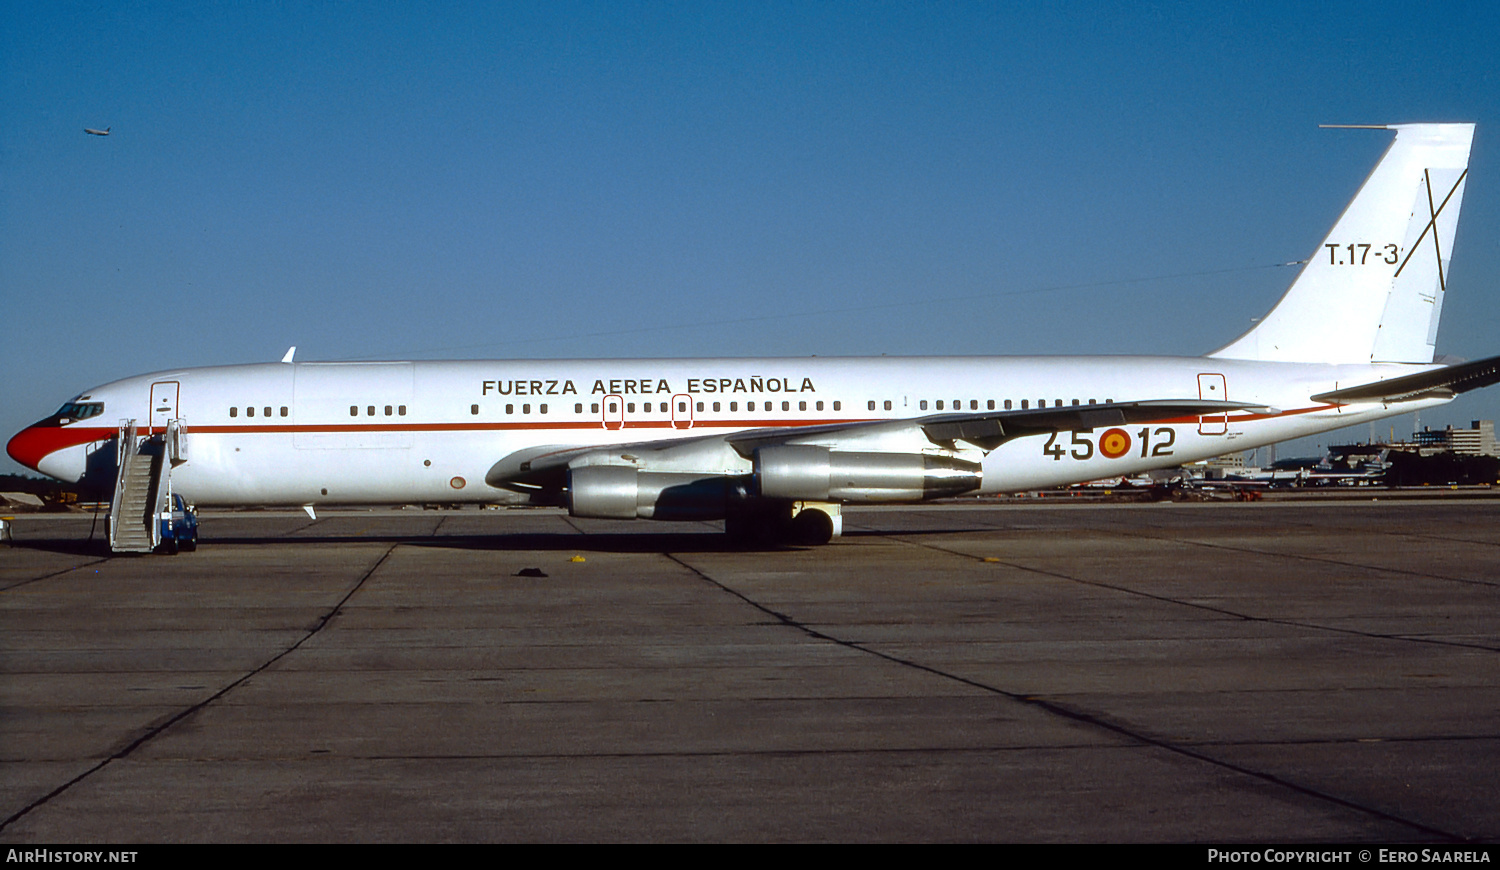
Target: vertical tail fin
point(1374, 291)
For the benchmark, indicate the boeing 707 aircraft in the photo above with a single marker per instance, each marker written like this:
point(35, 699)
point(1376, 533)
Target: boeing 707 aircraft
point(775, 447)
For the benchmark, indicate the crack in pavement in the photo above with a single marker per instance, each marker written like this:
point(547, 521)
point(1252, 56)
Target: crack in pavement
point(156, 730)
point(1060, 710)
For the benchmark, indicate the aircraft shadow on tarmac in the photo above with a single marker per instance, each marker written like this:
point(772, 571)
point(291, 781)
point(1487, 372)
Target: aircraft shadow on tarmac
point(707, 541)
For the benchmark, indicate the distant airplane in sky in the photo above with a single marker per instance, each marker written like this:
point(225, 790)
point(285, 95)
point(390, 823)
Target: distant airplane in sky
point(677, 439)
point(92, 132)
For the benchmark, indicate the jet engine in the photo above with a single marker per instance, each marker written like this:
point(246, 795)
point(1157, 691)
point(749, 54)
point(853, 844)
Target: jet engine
point(782, 474)
point(804, 472)
point(623, 492)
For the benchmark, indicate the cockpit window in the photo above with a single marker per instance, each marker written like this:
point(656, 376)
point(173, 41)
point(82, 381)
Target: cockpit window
point(81, 410)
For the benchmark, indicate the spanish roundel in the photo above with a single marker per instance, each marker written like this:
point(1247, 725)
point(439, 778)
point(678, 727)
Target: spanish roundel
point(1114, 443)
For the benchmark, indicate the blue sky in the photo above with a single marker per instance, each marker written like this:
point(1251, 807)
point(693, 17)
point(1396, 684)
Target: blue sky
point(617, 179)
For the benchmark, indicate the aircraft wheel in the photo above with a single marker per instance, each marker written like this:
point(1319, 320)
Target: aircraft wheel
point(812, 526)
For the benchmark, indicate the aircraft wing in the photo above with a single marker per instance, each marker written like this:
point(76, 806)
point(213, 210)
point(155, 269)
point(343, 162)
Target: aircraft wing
point(1444, 383)
point(546, 467)
point(988, 430)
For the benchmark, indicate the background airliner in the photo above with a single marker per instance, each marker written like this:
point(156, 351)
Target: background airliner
point(775, 447)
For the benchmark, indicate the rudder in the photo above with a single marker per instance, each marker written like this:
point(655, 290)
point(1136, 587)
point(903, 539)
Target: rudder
point(1374, 290)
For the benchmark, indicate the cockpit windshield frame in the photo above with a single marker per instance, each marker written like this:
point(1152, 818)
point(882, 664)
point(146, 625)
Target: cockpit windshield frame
point(76, 411)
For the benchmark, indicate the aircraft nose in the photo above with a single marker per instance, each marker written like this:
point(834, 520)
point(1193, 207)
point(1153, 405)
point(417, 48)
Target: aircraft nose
point(30, 446)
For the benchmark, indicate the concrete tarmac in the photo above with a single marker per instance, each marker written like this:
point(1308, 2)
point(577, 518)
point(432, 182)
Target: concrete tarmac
point(1186, 673)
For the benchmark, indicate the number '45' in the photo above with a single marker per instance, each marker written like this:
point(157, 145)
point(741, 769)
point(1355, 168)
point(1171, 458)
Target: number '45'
point(1083, 446)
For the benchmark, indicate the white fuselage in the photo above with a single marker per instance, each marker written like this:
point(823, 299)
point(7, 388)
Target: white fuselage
point(411, 432)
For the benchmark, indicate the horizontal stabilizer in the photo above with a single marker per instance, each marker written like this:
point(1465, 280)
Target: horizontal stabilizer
point(1444, 383)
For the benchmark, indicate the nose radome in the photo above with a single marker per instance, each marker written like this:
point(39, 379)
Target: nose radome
point(29, 447)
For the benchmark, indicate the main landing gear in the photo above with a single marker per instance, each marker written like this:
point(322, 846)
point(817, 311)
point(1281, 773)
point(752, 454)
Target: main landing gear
point(780, 523)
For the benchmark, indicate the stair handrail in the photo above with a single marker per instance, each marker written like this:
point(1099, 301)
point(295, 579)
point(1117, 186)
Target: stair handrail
point(124, 454)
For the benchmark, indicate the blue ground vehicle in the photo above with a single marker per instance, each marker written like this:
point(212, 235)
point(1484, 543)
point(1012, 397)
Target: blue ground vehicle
point(179, 528)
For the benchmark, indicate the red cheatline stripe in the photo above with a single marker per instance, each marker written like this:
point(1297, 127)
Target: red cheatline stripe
point(502, 427)
point(1242, 417)
point(30, 445)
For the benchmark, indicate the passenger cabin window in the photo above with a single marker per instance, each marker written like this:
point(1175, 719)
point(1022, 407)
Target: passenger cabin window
point(473, 409)
point(234, 412)
point(353, 410)
point(250, 412)
point(283, 410)
point(872, 404)
point(887, 404)
point(837, 405)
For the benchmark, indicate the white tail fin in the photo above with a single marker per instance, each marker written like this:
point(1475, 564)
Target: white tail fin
point(1374, 291)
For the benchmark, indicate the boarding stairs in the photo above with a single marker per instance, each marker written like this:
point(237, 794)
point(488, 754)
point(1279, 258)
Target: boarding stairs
point(143, 485)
